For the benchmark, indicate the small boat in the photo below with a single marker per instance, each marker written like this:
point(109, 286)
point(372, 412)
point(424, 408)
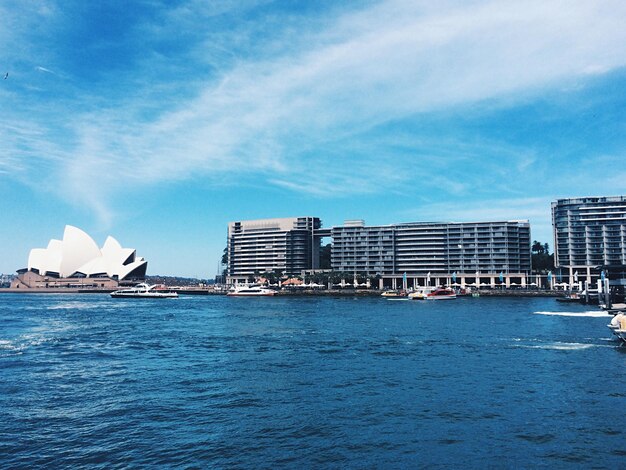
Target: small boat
point(571, 297)
point(394, 293)
point(250, 291)
point(144, 291)
point(441, 294)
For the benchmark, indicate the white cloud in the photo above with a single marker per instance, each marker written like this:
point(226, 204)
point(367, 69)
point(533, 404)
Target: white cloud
point(387, 62)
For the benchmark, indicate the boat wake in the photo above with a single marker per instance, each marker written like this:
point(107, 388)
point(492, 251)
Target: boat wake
point(592, 313)
point(85, 305)
point(559, 345)
point(77, 305)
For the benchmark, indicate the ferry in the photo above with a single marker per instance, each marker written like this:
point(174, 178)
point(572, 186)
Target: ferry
point(144, 291)
point(250, 291)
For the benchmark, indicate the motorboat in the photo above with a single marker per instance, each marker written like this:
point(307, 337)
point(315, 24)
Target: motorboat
point(394, 293)
point(250, 291)
point(618, 326)
point(144, 291)
point(571, 297)
point(441, 294)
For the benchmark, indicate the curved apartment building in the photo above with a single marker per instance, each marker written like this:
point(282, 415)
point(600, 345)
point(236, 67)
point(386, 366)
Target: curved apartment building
point(589, 233)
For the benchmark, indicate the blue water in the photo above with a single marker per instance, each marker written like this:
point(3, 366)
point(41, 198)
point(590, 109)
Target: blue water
point(308, 382)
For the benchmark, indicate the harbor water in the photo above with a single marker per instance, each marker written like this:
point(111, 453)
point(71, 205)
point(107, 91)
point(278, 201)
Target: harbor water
point(302, 382)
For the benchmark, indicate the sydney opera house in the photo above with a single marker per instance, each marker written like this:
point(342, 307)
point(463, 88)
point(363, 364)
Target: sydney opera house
point(76, 261)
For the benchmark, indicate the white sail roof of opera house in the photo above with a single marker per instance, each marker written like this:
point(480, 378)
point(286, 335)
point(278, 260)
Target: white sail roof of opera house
point(78, 255)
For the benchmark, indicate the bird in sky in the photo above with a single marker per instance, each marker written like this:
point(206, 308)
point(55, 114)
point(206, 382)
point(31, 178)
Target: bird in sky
point(6, 75)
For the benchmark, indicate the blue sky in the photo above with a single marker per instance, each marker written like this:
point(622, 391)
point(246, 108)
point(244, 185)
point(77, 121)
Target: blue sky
point(160, 122)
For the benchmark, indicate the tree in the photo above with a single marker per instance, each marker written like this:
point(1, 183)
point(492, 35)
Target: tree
point(320, 278)
point(538, 248)
point(271, 276)
point(542, 260)
point(325, 257)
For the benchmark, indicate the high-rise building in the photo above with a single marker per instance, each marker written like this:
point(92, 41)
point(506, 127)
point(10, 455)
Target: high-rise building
point(589, 234)
point(420, 248)
point(357, 248)
point(287, 246)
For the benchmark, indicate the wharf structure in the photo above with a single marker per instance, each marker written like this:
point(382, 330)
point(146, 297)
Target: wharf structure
point(287, 246)
point(589, 238)
point(433, 253)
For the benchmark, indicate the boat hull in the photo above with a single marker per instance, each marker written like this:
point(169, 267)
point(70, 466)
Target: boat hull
point(250, 294)
point(441, 297)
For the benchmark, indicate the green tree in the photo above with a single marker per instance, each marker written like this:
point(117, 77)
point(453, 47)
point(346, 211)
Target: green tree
point(542, 260)
point(271, 276)
point(320, 278)
point(325, 257)
point(537, 248)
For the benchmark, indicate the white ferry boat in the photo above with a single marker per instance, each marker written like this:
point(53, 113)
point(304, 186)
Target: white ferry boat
point(250, 290)
point(144, 291)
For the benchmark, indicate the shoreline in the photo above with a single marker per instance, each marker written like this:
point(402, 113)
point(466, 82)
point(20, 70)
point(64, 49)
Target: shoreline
point(289, 293)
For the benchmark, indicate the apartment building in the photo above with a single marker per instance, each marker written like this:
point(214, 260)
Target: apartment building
point(589, 235)
point(286, 245)
point(420, 248)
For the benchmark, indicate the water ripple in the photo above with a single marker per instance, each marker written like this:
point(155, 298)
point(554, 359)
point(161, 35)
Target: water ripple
point(306, 382)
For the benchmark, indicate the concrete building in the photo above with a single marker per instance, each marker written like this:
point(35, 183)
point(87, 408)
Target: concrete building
point(420, 253)
point(589, 237)
point(357, 248)
point(287, 246)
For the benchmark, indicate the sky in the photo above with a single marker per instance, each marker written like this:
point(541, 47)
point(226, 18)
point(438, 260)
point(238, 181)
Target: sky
point(158, 122)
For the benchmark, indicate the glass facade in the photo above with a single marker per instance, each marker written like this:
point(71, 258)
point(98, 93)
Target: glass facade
point(589, 231)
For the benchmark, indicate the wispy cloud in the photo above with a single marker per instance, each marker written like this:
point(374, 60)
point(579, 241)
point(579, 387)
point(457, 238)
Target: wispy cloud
point(278, 107)
point(43, 69)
